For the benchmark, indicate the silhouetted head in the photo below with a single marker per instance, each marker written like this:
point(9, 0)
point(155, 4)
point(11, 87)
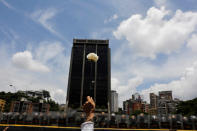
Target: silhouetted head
point(82, 115)
point(142, 114)
point(123, 117)
point(132, 117)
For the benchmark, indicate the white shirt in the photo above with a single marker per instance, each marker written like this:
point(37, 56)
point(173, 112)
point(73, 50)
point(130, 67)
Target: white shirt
point(87, 126)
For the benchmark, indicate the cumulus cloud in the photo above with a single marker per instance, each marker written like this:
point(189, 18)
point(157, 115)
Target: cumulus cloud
point(157, 32)
point(59, 95)
point(25, 60)
point(171, 68)
point(192, 43)
point(126, 90)
point(114, 17)
point(184, 88)
point(54, 81)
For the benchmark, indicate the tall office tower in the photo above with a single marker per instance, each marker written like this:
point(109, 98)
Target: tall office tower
point(153, 104)
point(89, 78)
point(114, 101)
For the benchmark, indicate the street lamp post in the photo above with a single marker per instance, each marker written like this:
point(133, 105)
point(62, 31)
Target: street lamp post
point(93, 58)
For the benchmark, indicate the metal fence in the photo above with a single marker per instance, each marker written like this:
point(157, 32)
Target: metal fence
point(74, 119)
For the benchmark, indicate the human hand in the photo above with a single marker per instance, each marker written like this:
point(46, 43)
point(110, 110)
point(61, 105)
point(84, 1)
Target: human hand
point(5, 129)
point(88, 108)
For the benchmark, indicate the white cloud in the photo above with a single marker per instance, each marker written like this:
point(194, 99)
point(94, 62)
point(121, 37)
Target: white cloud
point(25, 60)
point(114, 17)
point(48, 50)
point(155, 34)
point(162, 69)
point(43, 17)
point(159, 32)
point(54, 81)
point(54, 55)
point(125, 90)
point(169, 69)
point(192, 43)
point(7, 4)
point(184, 88)
point(59, 95)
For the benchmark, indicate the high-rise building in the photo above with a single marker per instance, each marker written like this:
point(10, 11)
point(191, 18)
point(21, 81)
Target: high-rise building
point(89, 78)
point(135, 104)
point(167, 95)
point(162, 104)
point(114, 101)
point(166, 104)
point(128, 106)
point(146, 108)
point(153, 103)
point(153, 100)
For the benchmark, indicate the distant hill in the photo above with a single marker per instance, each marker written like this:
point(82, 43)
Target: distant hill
point(187, 107)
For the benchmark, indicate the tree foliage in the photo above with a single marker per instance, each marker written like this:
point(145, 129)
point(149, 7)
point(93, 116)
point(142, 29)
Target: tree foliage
point(187, 107)
point(46, 94)
point(137, 112)
point(53, 105)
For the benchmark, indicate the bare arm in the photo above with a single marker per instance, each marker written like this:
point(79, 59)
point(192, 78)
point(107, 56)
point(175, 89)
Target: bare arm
point(89, 108)
point(5, 129)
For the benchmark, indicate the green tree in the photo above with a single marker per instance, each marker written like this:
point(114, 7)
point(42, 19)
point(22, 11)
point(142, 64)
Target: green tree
point(137, 112)
point(53, 105)
point(46, 94)
point(187, 107)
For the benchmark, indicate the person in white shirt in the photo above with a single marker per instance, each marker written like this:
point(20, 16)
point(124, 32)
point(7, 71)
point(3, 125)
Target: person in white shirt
point(88, 108)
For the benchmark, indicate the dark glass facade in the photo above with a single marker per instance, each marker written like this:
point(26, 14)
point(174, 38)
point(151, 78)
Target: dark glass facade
point(87, 78)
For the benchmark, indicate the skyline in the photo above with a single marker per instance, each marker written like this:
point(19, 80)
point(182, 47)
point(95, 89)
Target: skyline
point(152, 43)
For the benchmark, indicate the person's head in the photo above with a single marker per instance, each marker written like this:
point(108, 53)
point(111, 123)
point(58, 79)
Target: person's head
point(82, 115)
point(132, 117)
point(103, 113)
point(123, 116)
point(64, 115)
point(173, 116)
point(142, 114)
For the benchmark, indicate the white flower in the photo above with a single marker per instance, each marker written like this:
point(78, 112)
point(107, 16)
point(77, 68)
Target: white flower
point(92, 56)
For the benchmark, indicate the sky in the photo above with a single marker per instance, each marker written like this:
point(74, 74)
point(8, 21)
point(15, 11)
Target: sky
point(153, 44)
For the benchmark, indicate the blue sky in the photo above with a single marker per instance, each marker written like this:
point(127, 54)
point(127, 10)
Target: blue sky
point(153, 44)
